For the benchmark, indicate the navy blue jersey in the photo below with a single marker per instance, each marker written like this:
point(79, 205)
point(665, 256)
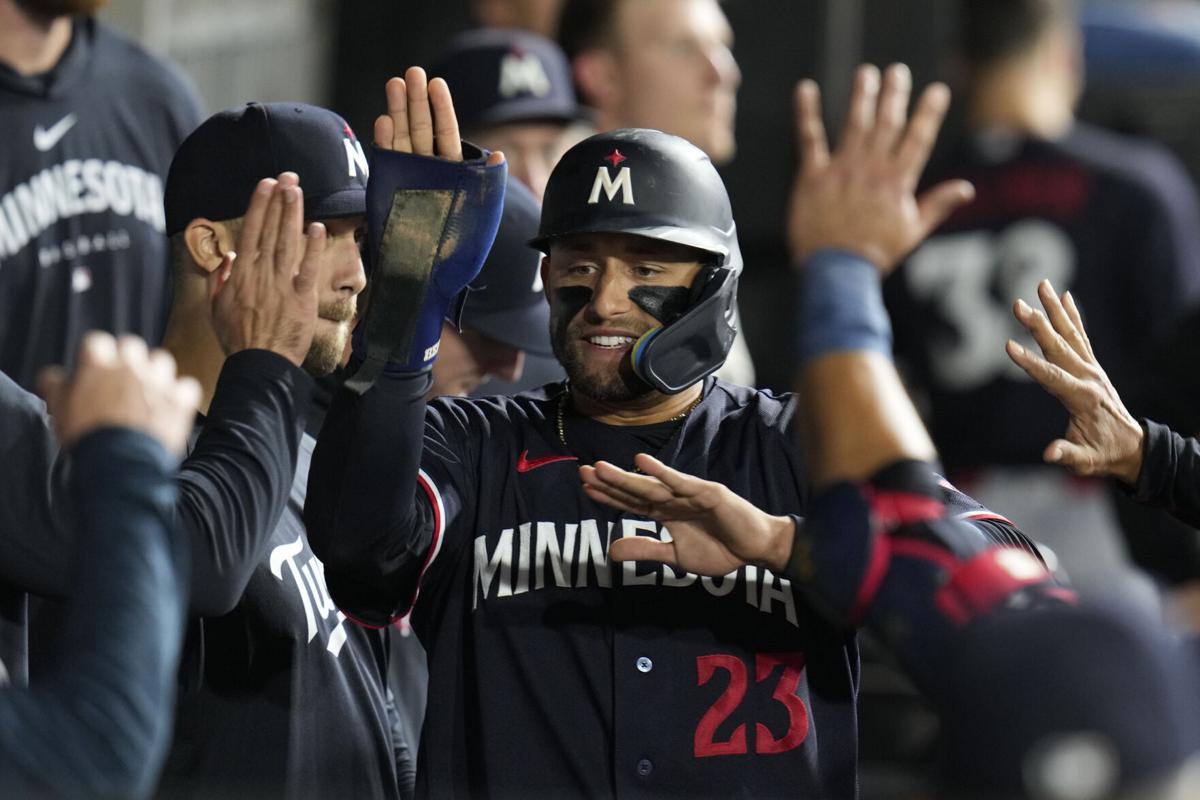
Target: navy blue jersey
point(82, 245)
point(1112, 220)
point(552, 671)
point(282, 697)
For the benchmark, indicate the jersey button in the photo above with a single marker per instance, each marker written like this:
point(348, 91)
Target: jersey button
point(644, 768)
point(645, 665)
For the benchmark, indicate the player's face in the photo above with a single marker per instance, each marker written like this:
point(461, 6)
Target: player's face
point(531, 150)
point(340, 280)
point(468, 359)
point(594, 320)
point(676, 72)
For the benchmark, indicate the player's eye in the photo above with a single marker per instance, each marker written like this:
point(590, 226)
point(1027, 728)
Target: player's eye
point(646, 270)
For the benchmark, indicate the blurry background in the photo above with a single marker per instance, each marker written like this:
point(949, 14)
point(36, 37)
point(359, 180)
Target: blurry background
point(1143, 62)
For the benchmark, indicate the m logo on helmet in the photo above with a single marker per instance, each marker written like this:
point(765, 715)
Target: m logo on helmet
point(522, 73)
point(604, 181)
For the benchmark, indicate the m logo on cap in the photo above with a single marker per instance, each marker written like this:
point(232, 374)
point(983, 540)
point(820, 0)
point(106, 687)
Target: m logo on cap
point(522, 72)
point(604, 181)
point(356, 159)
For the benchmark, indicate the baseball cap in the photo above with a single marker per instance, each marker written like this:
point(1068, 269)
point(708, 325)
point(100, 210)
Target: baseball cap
point(217, 167)
point(505, 301)
point(503, 75)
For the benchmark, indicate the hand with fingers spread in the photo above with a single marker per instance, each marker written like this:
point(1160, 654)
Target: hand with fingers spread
point(264, 294)
point(121, 384)
point(1102, 439)
point(861, 198)
point(713, 530)
point(433, 208)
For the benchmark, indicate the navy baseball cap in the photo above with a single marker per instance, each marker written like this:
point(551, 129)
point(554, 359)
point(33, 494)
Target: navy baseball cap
point(217, 167)
point(501, 75)
point(506, 302)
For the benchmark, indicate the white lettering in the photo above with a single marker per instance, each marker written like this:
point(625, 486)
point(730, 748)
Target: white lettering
point(604, 181)
point(723, 588)
point(547, 544)
point(356, 159)
point(286, 554)
point(590, 549)
point(486, 568)
point(783, 593)
point(522, 584)
point(629, 573)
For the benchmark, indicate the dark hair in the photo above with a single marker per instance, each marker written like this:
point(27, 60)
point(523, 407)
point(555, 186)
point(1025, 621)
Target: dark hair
point(585, 24)
point(995, 30)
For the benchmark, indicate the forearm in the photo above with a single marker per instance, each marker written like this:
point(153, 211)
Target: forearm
point(98, 725)
point(365, 518)
point(858, 416)
point(1170, 473)
point(235, 483)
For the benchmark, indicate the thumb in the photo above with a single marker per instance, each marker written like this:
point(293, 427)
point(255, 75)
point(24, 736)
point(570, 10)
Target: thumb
point(1069, 455)
point(495, 159)
point(938, 203)
point(642, 548)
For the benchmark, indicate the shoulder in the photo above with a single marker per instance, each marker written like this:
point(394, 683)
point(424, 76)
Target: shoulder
point(154, 81)
point(745, 405)
point(494, 416)
point(1137, 164)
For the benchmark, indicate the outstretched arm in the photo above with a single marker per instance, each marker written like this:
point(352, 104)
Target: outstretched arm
point(98, 724)
point(368, 519)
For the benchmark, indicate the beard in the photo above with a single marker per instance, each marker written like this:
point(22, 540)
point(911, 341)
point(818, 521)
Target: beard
point(60, 8)
point(325, 353)
point(606, 384)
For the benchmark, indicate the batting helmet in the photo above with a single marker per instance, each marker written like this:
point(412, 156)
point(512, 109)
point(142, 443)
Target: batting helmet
point(652, 184)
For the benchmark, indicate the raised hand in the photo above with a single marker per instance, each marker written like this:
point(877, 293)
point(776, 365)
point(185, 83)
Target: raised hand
point(713, 530)
point(861, 198)
point(1102, 438)
point(264, 294)
point(420, 119)
point(120, 383)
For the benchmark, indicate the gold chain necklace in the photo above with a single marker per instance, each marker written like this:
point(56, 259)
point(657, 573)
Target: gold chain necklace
point(562, 404)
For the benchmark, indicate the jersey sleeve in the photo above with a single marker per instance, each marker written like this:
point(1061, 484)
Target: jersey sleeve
point(34, 517)
point(236, 481)
point(996, 528)
point(1170, 474)
point(386, 484)
point(97, 725)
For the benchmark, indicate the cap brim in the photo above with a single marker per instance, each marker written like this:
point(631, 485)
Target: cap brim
point(345, 203)
point(526, 328)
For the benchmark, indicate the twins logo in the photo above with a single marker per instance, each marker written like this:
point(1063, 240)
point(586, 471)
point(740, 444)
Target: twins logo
point(604, 181)
point(522, 73)
point(309, 579)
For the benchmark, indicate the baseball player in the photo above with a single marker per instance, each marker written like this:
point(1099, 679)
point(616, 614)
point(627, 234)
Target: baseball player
point(1113, 220)
point(100, 724)
point(89, 121)
point(555, 669)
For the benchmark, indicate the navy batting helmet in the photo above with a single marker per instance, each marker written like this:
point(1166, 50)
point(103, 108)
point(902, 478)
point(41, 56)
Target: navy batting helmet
point(652, 184)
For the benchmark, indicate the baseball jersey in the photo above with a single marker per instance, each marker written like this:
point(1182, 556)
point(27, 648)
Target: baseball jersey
point(1112, 220)
point(282, 697)
point(82, 245)
point(553, 671)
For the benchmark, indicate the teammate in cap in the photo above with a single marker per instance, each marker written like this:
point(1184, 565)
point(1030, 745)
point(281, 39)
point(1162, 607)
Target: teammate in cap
point(280, 696)
point(555, 669)
point(513, 93)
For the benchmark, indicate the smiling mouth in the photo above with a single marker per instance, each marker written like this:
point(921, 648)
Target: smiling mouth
point(610, 342)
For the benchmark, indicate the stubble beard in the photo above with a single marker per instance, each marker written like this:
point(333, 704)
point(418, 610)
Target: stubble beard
point(325, 353)
point(619, 385)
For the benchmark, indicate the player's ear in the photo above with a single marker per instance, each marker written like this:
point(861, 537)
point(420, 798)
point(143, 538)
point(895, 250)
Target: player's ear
point(207, 242)
point(543, 271)
point(595, 72)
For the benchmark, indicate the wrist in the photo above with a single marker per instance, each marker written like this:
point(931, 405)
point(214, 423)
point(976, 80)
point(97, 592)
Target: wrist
point(1129, 466)
point(781, 537)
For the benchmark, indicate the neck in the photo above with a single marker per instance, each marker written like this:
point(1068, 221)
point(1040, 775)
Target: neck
point(646, 410)
point(29, 43)
point(190, 339)
point(1020, 98)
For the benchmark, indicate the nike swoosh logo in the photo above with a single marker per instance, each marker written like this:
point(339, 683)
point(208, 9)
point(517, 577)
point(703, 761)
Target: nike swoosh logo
point(45, 138)
point(525, 465)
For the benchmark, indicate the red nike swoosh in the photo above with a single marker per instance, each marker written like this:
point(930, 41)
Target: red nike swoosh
point(525, 465)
